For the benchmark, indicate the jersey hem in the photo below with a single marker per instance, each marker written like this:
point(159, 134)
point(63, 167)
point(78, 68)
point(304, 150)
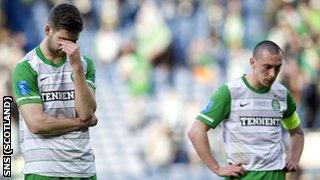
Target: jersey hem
point(54, 174)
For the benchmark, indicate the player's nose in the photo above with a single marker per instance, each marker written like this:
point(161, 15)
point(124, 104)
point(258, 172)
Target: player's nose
point(272, 73)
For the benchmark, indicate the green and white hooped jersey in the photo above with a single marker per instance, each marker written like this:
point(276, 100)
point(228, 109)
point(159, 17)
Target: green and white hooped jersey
point(251, 122)
point(37, 80)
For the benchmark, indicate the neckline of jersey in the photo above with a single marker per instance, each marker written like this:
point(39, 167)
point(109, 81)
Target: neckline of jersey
point(260, 91)
point(47, 61)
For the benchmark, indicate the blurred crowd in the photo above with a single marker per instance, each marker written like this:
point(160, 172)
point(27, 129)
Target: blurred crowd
point(171, 54)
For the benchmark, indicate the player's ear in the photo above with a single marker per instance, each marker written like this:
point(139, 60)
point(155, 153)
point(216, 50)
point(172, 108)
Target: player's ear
point(252, 62)
point(47, 29)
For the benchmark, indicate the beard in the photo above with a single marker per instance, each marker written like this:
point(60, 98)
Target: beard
point(53, 50)
point(268, 82)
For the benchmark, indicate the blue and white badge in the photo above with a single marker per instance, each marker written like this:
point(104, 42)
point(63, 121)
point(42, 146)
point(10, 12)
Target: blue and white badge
point(208, 107)
point(23, 87)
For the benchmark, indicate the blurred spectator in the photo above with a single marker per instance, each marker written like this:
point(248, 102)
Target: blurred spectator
point(134, 71)
point(159, 149)
point(153, 35)
point(234, 27)
point(107, 39)
point(23, 23)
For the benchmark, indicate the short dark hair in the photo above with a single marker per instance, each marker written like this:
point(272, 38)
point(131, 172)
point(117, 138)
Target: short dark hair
point(270, 46)
point(66, 16)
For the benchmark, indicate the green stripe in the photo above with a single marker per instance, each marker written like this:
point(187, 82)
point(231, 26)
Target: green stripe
point(59, 138)
point(59, 83)
point(61, 172)
point(253, 97)
point(255, 132)
point(49, 160)
point(68, 150)
point(253, 110)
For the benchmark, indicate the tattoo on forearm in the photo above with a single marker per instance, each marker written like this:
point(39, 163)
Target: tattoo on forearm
point(300, 132)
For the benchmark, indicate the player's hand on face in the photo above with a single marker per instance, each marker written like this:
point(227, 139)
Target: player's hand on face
point(291, 166)
point(232, 170)
point(72, 51)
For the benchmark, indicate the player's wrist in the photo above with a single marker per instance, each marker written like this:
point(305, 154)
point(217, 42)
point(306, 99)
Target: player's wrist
point(216, 169)
point(295, 160)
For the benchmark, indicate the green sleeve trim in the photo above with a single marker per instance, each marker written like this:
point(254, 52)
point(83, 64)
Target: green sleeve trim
point(24, 82)
point(291, 106)
point(30, 97)
point(90, 73)
point(292, 122)
point(30, 101)
point(217, 109)
point(91, 85)
point(205, 119)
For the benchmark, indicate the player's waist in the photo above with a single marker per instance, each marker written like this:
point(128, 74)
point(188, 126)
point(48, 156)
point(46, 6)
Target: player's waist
point(71, 144)
point(81, 169)
point(259, 161)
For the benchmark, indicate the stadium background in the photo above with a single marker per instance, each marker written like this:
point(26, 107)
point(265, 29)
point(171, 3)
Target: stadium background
point(157, 62)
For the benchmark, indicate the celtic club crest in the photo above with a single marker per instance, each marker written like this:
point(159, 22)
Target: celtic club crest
point(275, 104)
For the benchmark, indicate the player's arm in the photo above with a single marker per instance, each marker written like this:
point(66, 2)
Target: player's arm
point(215, 111)
point(295, 149)
point(84, 96)
point(198, 136)
point(40, 123)
point(25, 89)
point(291, 122)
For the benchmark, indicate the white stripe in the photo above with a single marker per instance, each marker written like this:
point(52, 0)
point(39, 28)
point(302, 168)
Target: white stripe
point(91, 83)
point(31, 97)
point(206, 117)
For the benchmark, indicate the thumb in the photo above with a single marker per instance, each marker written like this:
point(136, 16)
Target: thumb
point(241, 163)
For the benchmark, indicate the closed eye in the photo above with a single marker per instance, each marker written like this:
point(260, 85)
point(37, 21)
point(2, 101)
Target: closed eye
point(72, 40)
point(267, 67)
point(278, 67)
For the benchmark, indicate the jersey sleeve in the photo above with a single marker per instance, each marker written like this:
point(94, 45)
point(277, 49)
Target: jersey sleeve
point(90, 73)
point(290, 119)
point(24, 83)
point(217, 108)
point(291, 122)
point(291, 106)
